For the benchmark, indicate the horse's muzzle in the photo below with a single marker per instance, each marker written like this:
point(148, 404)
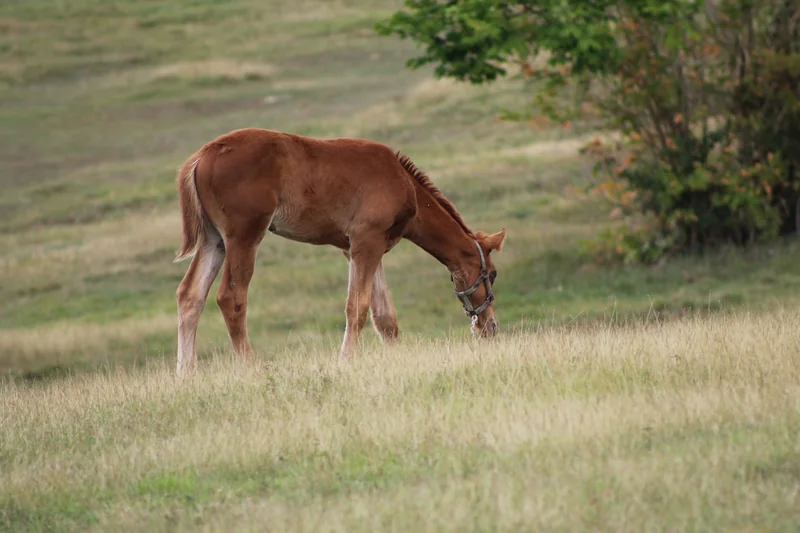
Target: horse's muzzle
point(489, 329)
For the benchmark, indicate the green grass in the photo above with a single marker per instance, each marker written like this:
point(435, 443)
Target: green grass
point(104, 100)
point(580, 417)
point(692, 425)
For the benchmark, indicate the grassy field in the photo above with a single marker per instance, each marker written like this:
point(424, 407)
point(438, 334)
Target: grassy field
point(103, 100)
point(687, 426)
point(608, 403)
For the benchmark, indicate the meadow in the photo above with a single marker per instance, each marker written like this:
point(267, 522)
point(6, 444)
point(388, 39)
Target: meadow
point(687, 426)
point(617, 397)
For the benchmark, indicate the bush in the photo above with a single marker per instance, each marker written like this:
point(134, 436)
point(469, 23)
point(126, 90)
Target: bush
point(706, 96)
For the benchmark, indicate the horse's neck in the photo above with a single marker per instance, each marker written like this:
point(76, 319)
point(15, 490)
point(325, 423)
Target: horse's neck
point(435, 231)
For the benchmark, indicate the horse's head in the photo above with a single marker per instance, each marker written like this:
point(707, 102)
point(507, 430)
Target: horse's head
point(477, 296)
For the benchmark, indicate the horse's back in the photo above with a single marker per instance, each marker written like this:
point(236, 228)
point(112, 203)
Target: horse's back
point(342, 162)
point(313, 190)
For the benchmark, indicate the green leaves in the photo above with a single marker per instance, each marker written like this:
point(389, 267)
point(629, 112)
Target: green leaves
point(468, 39)
point(471, 39)
point(706, 93)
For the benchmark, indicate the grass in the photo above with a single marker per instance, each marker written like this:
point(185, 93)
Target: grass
point(624, 398)
point(688, 425)
point(104, 99)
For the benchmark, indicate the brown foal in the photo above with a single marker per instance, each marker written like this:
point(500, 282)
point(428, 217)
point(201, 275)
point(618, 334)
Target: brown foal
point(356, 195)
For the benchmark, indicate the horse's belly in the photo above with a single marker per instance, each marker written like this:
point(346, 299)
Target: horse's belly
point(307, 231)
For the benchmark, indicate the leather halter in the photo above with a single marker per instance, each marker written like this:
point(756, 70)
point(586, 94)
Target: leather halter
point(482, 278)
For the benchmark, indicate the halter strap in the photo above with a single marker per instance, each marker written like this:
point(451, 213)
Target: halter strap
point(482, 278)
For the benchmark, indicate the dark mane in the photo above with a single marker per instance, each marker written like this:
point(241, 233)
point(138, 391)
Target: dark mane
point(428, 185)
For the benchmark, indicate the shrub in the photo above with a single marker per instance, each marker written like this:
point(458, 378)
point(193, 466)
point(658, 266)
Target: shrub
point(706, 96)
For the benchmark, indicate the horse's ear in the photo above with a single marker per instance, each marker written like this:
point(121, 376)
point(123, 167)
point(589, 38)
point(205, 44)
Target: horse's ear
point(492, 242)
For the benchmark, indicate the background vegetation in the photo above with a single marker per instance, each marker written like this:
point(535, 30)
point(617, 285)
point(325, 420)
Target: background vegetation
point(706, 96)
point(610, 402)
point(103, 100)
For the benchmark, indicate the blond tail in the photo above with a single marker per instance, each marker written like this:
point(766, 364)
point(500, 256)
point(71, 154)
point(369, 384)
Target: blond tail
point(194, 218)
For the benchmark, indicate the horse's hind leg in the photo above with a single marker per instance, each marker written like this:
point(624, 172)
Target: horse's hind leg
point(192, 294)
point(382, 310)
point(384, 315)
point(232, 296)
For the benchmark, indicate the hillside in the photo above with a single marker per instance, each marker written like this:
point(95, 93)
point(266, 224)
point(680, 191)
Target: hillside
point(104, 99)
point(615, 398)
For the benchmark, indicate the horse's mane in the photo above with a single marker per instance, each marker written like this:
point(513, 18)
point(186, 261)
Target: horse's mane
point(428, 185)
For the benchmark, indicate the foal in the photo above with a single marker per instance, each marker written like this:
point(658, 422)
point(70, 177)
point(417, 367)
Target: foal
point(356, 195)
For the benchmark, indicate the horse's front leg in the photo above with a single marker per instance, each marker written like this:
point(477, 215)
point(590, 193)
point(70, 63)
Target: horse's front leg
point(365, 256)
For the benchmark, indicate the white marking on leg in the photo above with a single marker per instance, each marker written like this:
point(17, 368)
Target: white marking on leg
point(348, 335)
point(210, 261)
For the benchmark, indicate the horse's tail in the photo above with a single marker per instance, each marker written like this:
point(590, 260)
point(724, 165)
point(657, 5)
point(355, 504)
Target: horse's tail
point(195, 221)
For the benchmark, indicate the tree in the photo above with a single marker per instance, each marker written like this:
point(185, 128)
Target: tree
point(705, 93)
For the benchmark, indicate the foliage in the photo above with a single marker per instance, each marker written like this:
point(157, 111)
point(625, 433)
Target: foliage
point(470, 39)
point(705, 94)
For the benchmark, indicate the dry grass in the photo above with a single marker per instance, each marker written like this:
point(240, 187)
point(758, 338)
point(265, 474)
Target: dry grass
point(213, 70)
point(692, 425)
point(96, 245)
point(60, 342)
point(216, 68)
point(405, 111)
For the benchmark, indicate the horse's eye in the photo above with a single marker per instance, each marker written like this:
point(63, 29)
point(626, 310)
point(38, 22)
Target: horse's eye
point(493, 276)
